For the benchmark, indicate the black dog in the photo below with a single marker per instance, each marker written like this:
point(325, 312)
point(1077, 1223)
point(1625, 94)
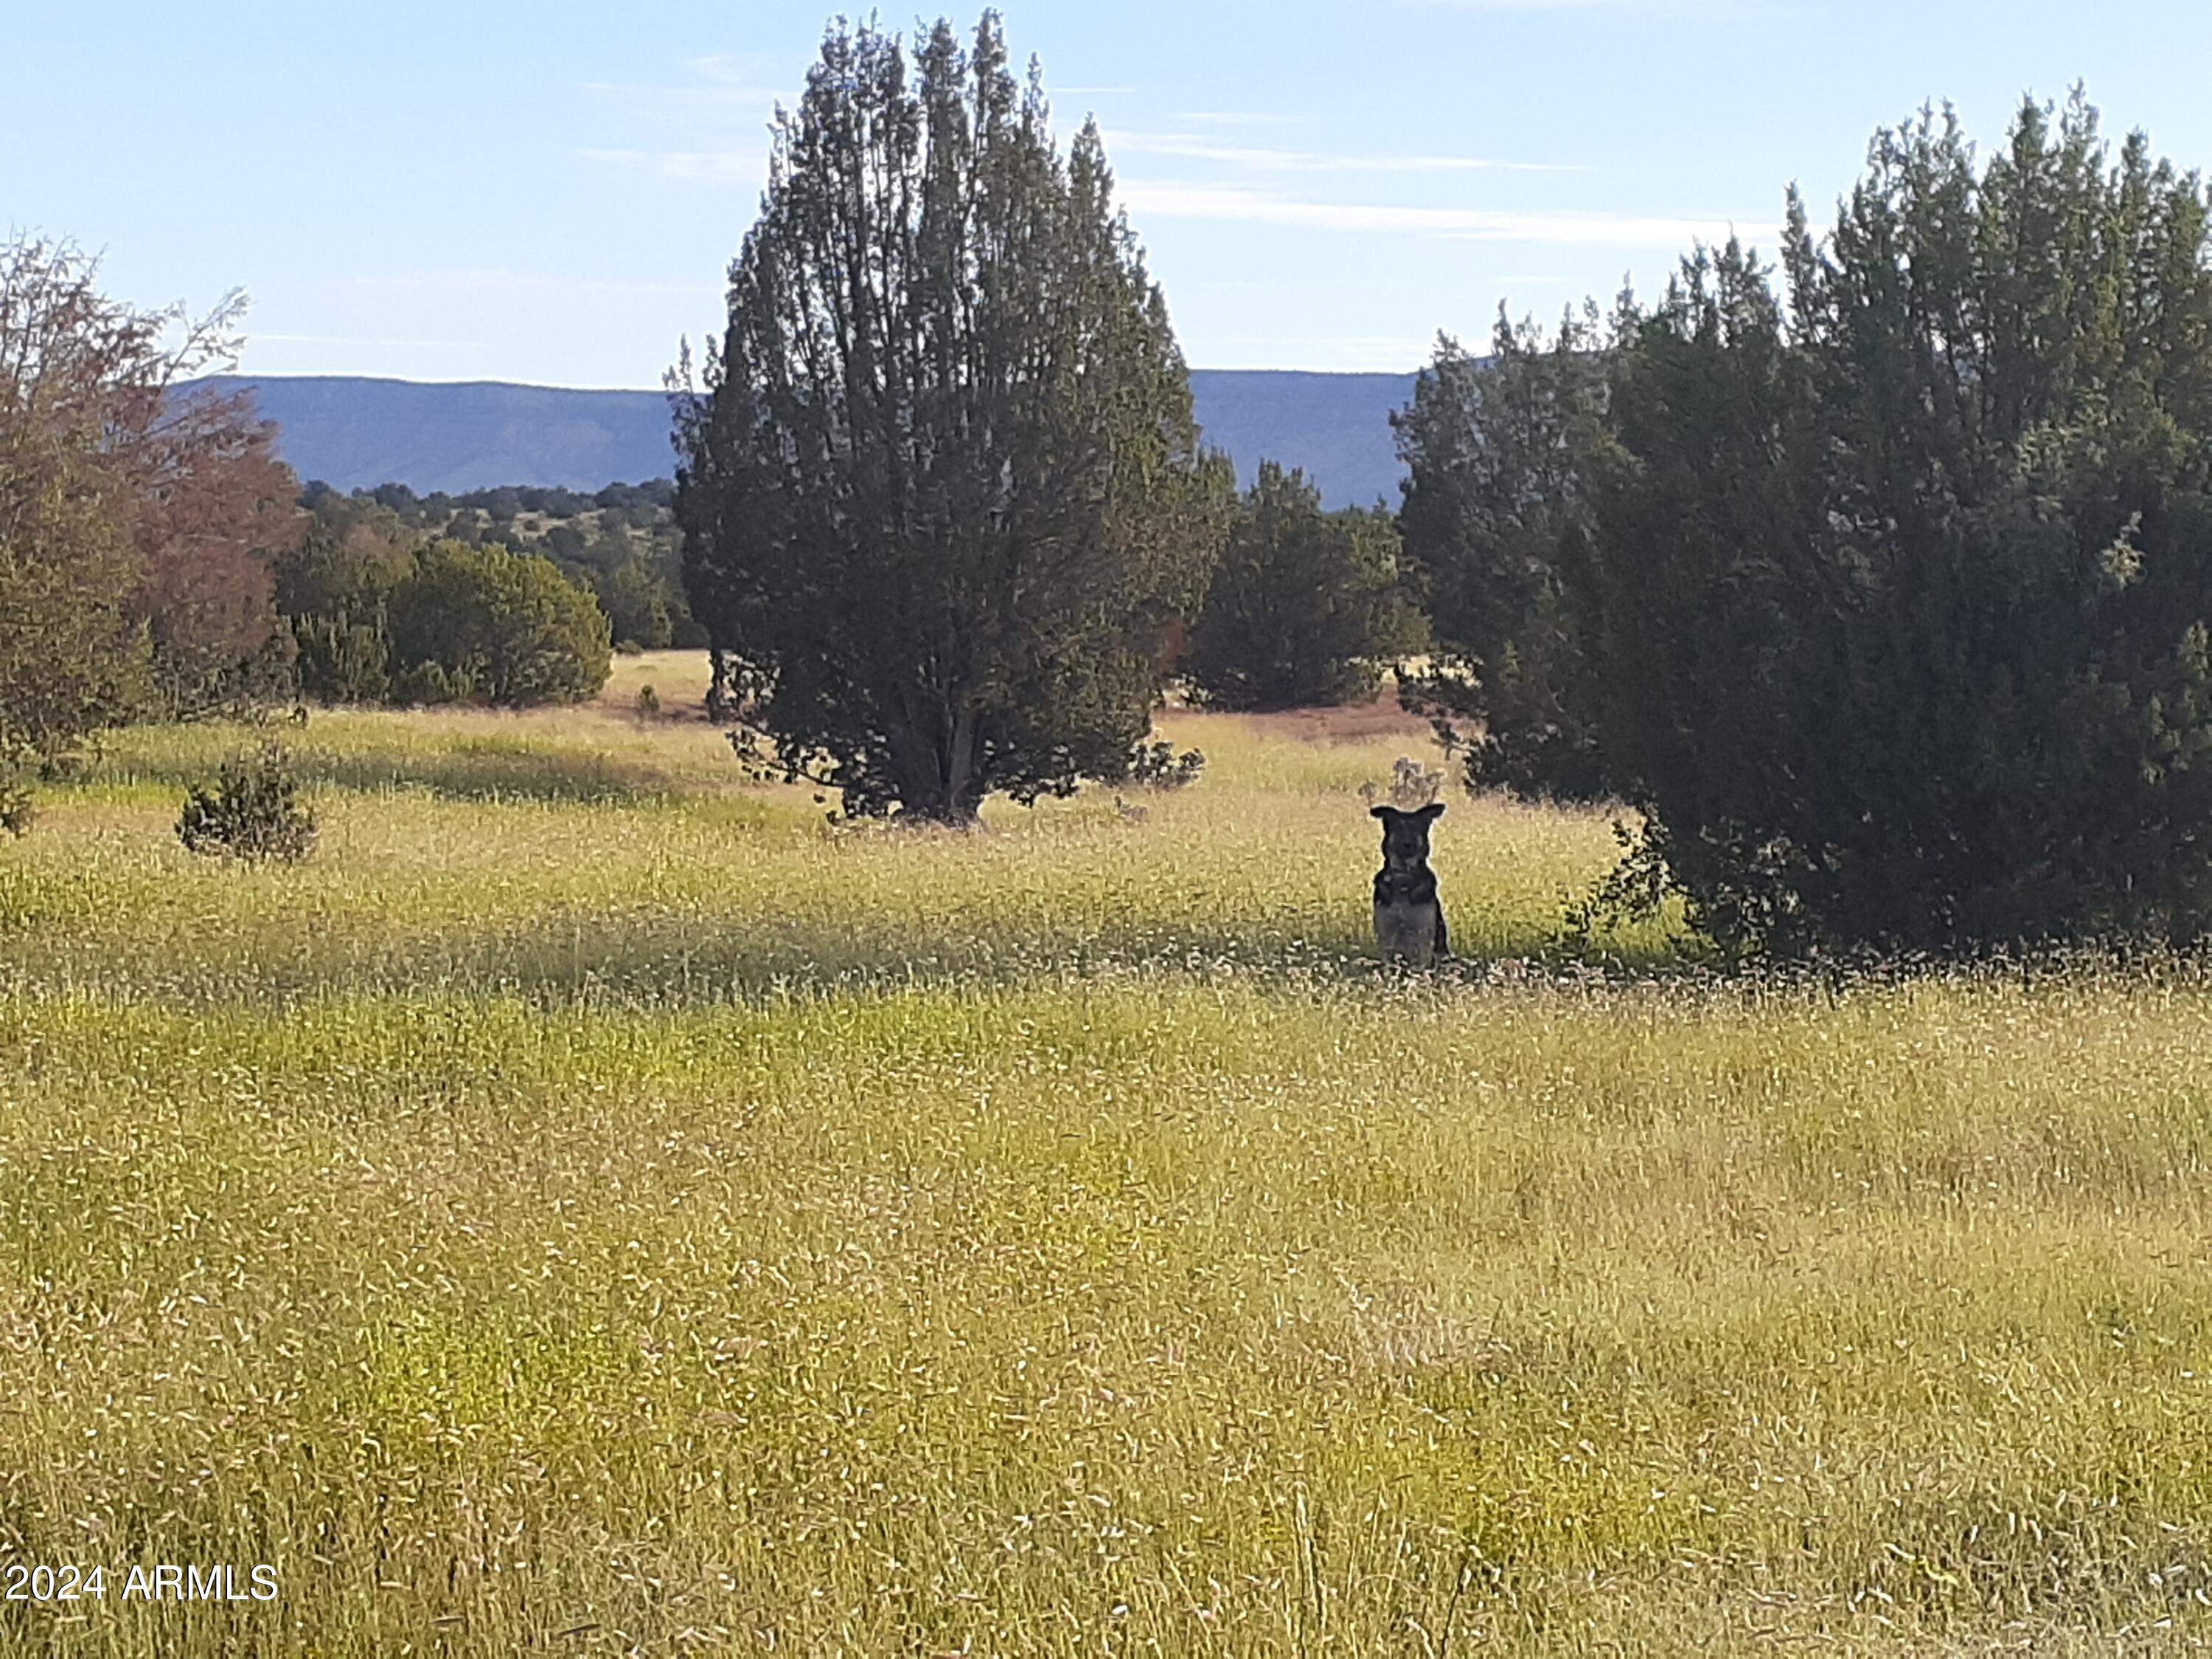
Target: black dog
point(1409, 918)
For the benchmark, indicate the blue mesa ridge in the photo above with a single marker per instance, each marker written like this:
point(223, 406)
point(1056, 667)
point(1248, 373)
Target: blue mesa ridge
point(353, 432)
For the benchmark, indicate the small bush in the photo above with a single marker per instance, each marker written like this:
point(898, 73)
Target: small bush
point(1413, 786)
point(1304, 607)
point(507, 629)
point(1157, 766)
point(250, 812)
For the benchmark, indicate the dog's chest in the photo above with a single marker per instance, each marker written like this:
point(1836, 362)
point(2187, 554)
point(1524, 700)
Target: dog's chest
point(1406, 915)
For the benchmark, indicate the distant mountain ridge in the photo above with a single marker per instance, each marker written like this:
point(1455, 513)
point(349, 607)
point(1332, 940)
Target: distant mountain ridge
point(353, 432)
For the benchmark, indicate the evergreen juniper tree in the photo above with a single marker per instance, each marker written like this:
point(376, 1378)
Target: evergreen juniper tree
point(943, 498)
point(1305, 607)
point(1495, 521)
point(1904, 592)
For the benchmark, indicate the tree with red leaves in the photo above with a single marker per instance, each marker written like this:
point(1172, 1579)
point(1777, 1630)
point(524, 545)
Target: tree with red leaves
point(135, 517)
point(216, 512)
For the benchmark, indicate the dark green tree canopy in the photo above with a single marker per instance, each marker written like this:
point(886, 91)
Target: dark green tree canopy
point(943, 498)
point(1884, 595)
point(1904, 589)
point(1305, 605)
point(1499, 454)
point(481, 622)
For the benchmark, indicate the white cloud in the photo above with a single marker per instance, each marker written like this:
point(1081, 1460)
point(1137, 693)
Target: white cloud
point(729, 68)
point(489, 279)
point(1198, 148)
point(1238, 119)
point(720, 167)
point(714, 166)
point(713, 100)
point(1241, 204)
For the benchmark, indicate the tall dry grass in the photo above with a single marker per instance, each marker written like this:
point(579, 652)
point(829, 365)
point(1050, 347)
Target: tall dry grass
point(595, 1207)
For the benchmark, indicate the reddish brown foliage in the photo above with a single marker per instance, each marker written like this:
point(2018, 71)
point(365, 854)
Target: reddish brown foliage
point(135, 524)
point(216, 510)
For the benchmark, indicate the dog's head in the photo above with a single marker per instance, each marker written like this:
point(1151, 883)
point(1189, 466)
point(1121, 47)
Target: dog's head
point(1406, 834)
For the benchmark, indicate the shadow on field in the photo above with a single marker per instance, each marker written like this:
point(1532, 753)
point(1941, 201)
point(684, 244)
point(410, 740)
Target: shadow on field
point(468, 769)
point(645, 960)
point(490, 771)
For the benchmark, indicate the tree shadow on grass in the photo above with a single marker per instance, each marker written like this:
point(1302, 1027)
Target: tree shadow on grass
point(491, 773)
point(468, 769)
point(659, 960)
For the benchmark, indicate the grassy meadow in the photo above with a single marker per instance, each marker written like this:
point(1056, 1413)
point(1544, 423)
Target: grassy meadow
point(594, 1205)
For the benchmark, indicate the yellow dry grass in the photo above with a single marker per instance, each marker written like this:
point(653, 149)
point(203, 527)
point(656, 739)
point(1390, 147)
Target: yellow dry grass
point(593, 1206)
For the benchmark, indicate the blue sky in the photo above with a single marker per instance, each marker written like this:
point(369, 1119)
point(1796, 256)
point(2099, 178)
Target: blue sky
point(550, 192)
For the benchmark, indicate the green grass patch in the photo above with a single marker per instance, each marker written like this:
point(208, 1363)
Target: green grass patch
point(659, 1221)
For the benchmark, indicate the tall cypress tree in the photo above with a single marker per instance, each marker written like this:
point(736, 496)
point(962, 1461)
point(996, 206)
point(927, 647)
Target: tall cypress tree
point(944, 500)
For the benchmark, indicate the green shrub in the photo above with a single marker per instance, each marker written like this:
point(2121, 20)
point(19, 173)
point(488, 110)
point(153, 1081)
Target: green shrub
point(249, 813)
point(1157, 766)
point(1304, 606)
point(506, 627)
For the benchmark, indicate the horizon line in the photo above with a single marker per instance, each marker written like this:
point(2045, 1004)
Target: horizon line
point(662, 391)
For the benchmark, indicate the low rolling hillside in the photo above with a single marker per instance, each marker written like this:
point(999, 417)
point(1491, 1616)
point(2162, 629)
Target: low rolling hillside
point(354, 433)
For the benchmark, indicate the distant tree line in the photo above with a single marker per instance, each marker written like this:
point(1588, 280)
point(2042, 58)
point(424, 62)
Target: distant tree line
point(1304, 607)
point(380, 612)
point(622, 543)
point(158, 562)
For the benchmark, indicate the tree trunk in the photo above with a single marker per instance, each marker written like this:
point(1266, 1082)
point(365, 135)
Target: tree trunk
point(937, 767)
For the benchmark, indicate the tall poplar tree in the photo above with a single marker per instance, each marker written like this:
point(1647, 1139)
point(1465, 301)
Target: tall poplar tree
point(943, 498)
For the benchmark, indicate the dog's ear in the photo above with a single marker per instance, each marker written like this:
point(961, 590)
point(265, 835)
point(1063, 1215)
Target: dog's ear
point(1432, 812)
point(1384, 812)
